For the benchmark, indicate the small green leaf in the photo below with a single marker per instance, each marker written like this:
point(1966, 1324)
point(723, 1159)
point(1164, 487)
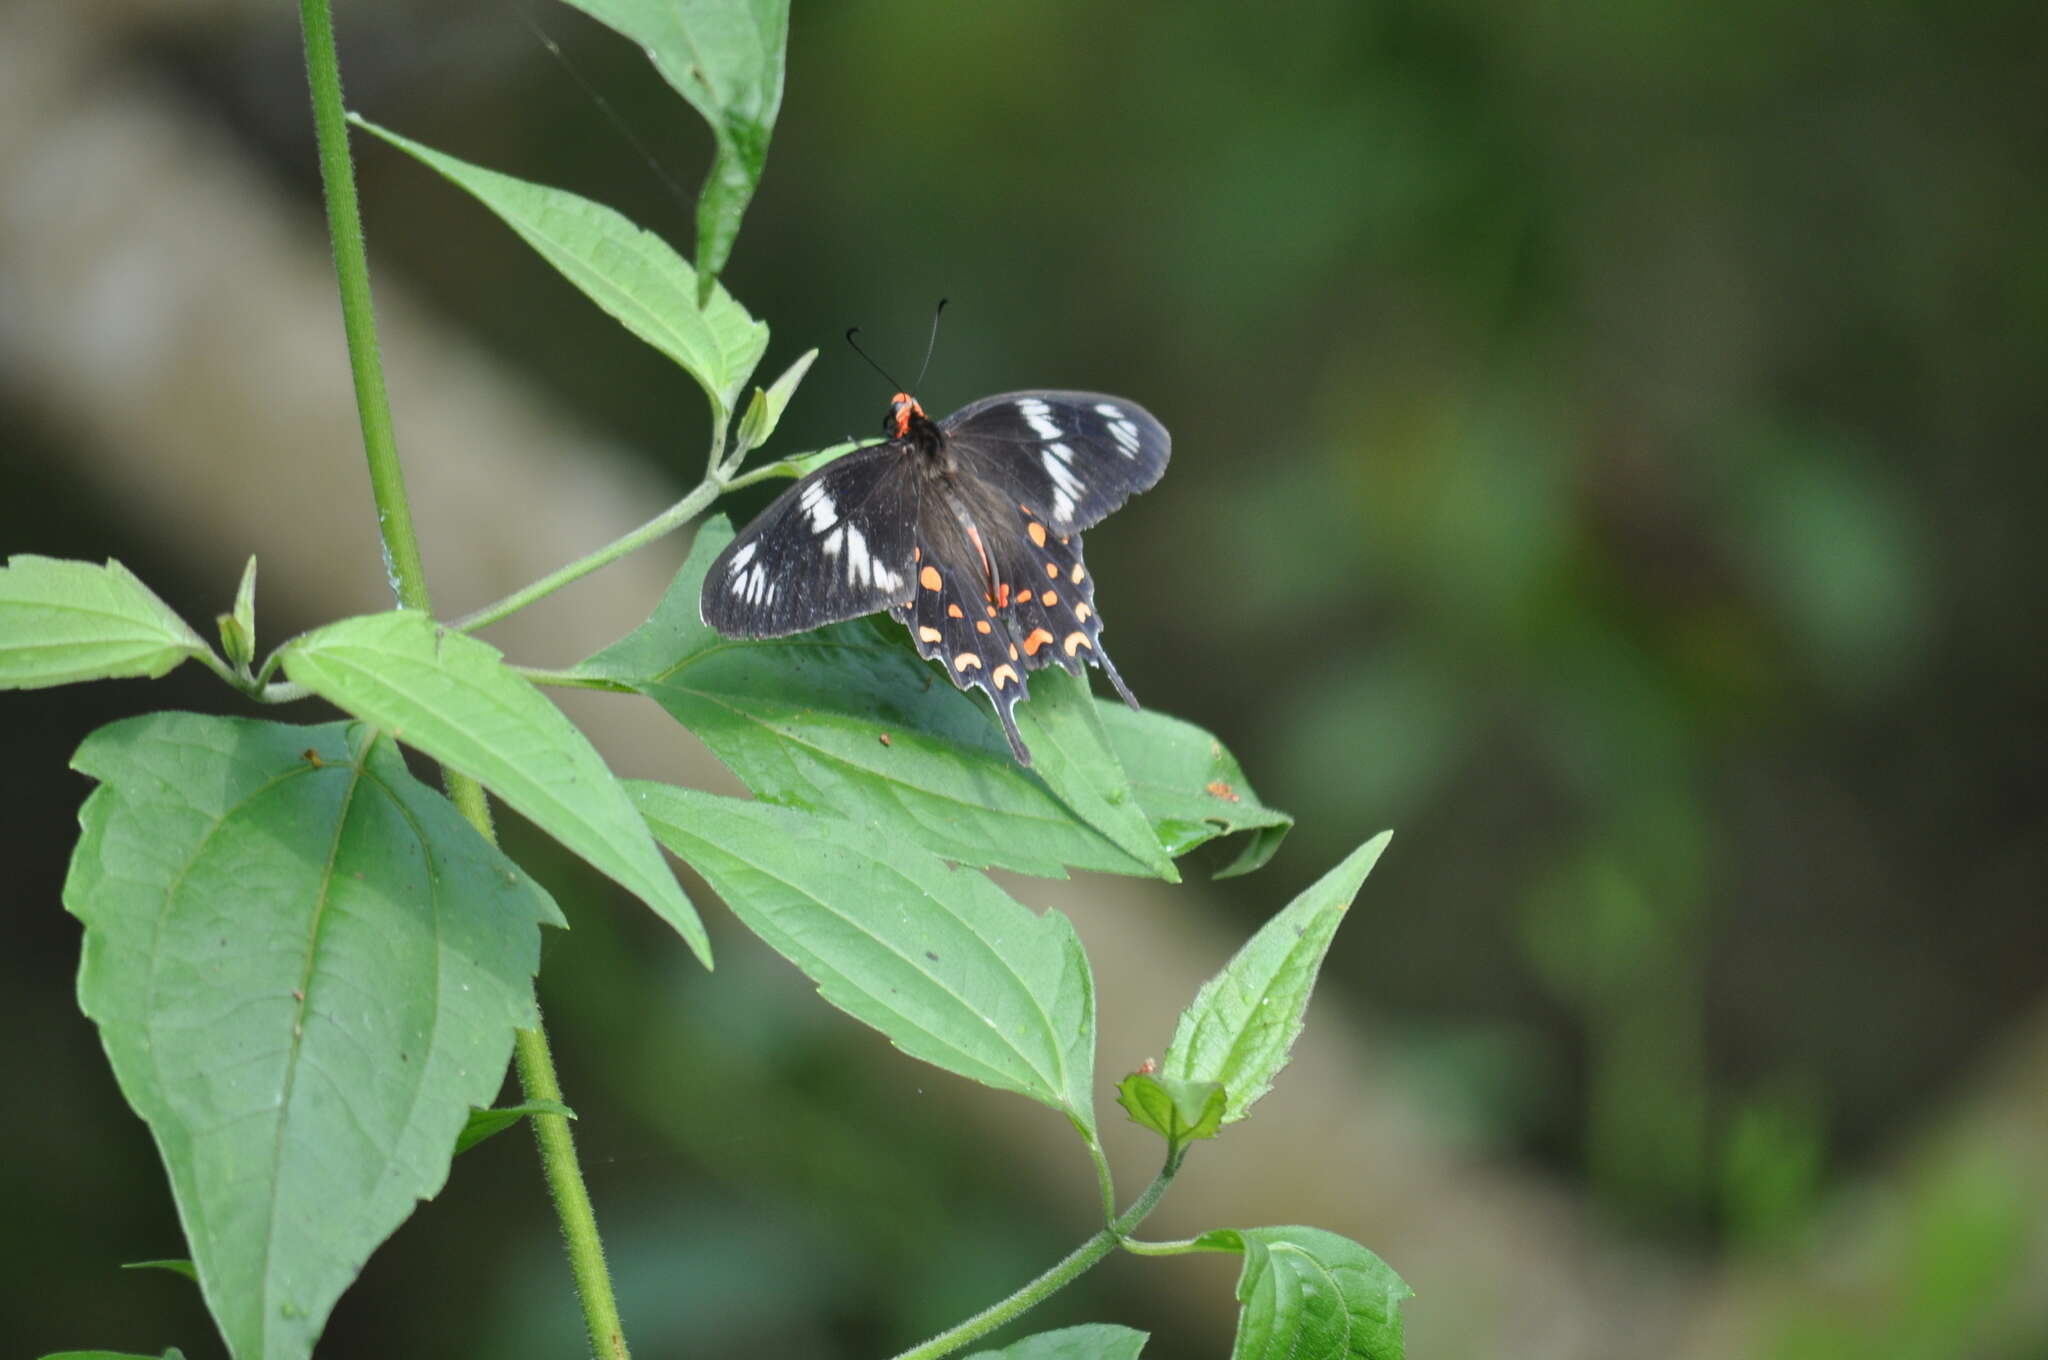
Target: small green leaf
point(178, 1266)
point(1245, 1019)
point(238, 629)
point(939, 959)
point(1178, 1111)
point(1070, 751)
point(726, 58)
point(62, 622)
point(632, 274)
point(848, 719)
point(453, 697)
point(764, 412)
point(1090, 1341)
point(306, 967)
point(489, 1123)
point(1190, 787)
point(1307, 1294)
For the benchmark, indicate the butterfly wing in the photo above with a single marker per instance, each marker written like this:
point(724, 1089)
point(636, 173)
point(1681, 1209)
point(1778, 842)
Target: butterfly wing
point(836, 545)
point(1073, 457)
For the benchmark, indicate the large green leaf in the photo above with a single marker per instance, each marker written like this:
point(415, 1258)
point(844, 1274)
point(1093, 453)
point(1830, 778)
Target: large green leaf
point(1245, 1019)
point(937, 958)
point(63, 621)
point(1089, 1341)
point(1307, 1294)
point(633, 274)
point(848, 719)
point(306, 968)
point(454, 698)
point(726, 58)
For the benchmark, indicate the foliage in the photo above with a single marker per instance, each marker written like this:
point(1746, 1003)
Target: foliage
point(309, 969)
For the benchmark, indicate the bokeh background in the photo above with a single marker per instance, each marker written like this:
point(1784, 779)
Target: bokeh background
point(1607, 449)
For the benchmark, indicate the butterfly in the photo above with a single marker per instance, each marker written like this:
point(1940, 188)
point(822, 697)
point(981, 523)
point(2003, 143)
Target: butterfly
point(967, 528)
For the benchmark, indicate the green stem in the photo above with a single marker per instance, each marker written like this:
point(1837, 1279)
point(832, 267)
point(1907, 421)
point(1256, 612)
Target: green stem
point(359, 321)
point(409, 580)
point(572, 1200)
point(1076, 1263)
point(666, 522)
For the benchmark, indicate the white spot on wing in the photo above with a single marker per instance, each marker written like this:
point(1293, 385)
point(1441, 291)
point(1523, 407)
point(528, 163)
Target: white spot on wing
point(1061, 452)
point(817, 503)
point(1039, 417)
point(744, 556)
point(859, 566)
point(1066, 486)
point(1104, 408)
point(1126, 437)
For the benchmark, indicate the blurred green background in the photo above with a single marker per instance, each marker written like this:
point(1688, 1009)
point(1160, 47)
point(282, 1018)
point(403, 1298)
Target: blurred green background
point(1607, 449)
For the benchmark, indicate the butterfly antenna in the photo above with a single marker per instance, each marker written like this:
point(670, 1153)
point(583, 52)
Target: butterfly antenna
point(932, 343)
point(852, 331)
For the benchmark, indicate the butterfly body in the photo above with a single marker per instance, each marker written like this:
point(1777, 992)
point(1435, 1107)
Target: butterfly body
point(968, 529)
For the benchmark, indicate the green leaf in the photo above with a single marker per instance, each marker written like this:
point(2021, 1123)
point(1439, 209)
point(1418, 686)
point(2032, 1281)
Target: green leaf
point(848, 719)
point(1178, 1111)
point(177, 1266)
point(632, 274)
point(938, 959)
point(489, 1123)
point(764, 412)
point(1090, 1341)
point(305, 968)
point(453, 697)
point(61, 622)
point(1307, 1294)
point(1244, 1019)
point(726, 58)
point(238, 629)
point(1190, 787)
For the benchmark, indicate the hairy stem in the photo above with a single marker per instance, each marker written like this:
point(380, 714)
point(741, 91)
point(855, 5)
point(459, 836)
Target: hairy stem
point(409, 583)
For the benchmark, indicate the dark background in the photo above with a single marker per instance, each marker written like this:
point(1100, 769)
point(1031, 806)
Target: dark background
point(1606, 449)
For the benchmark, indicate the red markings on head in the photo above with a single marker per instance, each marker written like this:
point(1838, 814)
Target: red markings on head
point(902, 408)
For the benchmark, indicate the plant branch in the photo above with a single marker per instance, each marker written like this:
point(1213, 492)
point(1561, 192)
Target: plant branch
point(1075, 1264)
point(666, 522)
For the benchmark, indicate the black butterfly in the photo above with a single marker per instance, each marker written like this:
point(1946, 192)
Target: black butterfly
point(968, 528)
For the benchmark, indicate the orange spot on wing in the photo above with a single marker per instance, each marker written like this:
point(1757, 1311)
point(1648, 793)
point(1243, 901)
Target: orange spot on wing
point(929, 634)
point(953, 612)
point(1079, 572)
point(1039, 637)
point(1082, 611)
point(1037, 532)
point(1005, 673)
point(1052, 570)
point(929, 578)
point(1023, 597)
point(981, 625)
point(965, 660)
point(1002, 594)
point(1075, 641)
point(1051, 599)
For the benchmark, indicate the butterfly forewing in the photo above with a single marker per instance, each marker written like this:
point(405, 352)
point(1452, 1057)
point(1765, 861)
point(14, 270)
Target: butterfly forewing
point(836, 545)
point(1076, 456)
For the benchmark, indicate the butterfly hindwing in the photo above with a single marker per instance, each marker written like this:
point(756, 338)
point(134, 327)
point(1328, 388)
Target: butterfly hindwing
point(836, 545)
point(1075, 455)
point(954, 623)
